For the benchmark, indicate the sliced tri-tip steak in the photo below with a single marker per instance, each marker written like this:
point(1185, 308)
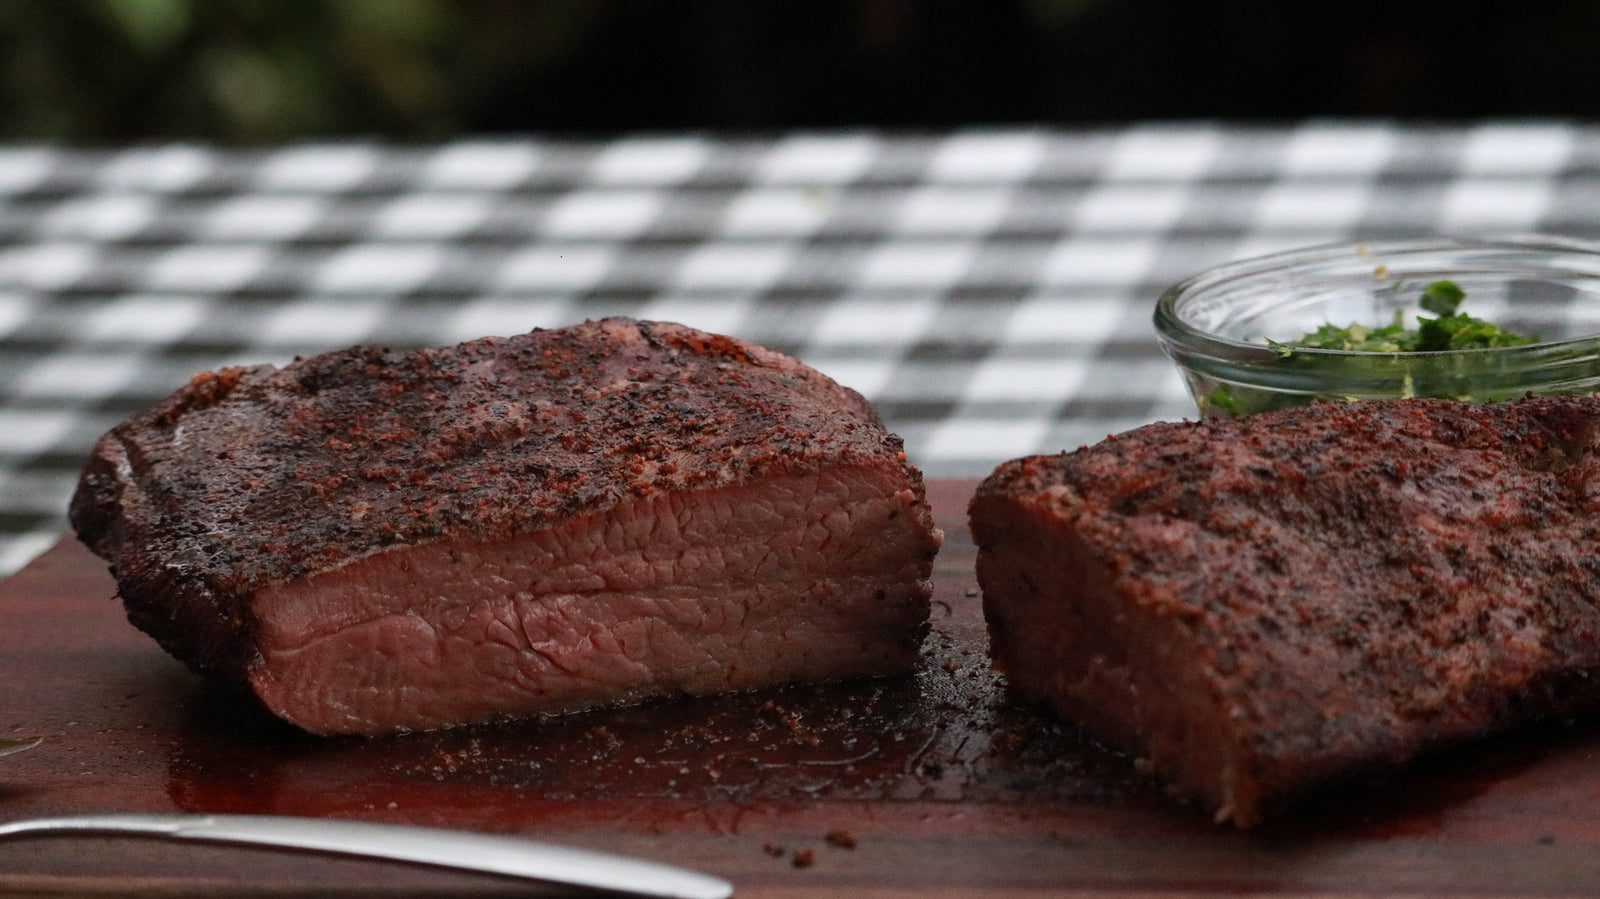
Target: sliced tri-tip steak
point(1258, 605)
point(377, 540)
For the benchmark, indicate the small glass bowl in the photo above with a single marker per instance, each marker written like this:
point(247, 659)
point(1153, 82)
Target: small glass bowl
point(1217, 324)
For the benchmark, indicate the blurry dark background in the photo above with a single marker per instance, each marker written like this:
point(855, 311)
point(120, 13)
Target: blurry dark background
point(244, 71)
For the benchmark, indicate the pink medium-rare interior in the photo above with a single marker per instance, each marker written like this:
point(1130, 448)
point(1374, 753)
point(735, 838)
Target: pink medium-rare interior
point(1063, 633)
point(793, 578)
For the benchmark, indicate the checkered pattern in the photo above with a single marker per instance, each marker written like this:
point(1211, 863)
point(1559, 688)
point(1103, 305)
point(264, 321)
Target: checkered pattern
point(990, 291)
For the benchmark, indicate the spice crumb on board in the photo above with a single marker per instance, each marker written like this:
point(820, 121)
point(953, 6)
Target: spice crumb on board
point(843, 839)
point(804, 858)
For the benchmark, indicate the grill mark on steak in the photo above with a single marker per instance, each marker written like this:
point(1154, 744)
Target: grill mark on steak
point(324, 531)
point(1260, 605)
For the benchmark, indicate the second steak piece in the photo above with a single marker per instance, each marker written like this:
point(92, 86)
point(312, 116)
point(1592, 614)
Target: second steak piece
point(377, 541)
point(1258, 605)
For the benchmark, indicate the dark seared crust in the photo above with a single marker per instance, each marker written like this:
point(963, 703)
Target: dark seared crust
point(253, 476)
point(1350, 584)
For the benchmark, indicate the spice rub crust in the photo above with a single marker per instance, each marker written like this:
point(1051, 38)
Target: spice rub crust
point(1259, 605)
point(249, 477)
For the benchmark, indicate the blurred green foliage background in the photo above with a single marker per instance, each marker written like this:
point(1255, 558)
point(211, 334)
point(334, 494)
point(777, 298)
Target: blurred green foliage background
point(261, 70)
point(251, 71)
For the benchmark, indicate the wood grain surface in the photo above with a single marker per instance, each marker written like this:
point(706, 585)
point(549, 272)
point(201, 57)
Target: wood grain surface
point(928, 785)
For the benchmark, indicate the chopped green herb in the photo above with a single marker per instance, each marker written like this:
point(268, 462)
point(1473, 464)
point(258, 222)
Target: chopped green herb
point(1451, 330)
point(1222, 399)
point(1442, 297)
point(1445, 328)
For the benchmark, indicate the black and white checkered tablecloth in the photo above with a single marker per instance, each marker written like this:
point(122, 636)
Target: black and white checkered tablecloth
point(989, 290)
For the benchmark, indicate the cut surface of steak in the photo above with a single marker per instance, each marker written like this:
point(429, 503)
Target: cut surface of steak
point(377, 540)
point(1257, 606)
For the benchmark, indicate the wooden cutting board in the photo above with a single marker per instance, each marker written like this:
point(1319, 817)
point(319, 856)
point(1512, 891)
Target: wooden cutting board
point(931, 785)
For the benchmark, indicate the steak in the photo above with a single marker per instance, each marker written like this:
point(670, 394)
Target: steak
point(1258, 606)
point(376, 540)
